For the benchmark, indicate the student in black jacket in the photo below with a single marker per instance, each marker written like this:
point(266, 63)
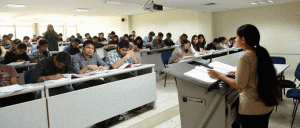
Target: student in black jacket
point(212, 45)
point(168, 41)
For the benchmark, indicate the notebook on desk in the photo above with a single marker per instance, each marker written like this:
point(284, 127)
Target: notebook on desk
point(200, 72)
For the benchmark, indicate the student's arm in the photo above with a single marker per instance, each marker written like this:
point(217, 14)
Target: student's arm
point(13, 75)
point(37, 74)
point(102, 65)
point(130, 47)
point(120, 62)
point(8, 58)
point(182, 55)
point(136, 60)
point(69, 68)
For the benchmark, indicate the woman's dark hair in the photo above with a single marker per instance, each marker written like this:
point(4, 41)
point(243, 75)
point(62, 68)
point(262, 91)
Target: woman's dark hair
point(216, 40)
point(202, 45)
point(114, 42)
point(41, 43)
point(184, 35)
point(60, 34)
point(222, 39)
point(196, 46)
point(140, 46)
point(26, 37)
point(123, 44)
point(22, 46)
point(90, 38)
point(185, 42)
point(63, 57)
point(72, 49)
point(130, 40)
point(5, 36)
point(160, 34)
point(267, 87)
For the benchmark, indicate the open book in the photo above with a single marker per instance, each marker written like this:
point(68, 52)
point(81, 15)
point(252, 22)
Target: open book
point(200, 72)
point(11, 88)
point(125, 65)
point(16, 63)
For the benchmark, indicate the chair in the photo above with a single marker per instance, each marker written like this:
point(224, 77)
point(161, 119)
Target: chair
point(165, 56)
point(291, 84)
point(2, 62)
point(27, 76)
point(295, 94)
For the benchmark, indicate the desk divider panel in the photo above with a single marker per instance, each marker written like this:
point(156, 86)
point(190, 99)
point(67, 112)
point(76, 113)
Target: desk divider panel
point(31, 114)
point(85, 107)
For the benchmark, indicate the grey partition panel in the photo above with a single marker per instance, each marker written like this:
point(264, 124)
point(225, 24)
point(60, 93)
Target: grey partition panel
point(152, 59)
point(89, 106)
point(192, 112)
point(31, 114)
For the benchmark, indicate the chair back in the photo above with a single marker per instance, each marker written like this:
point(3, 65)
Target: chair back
point(2, 61)
point(297, 72)
point(278, 60)
point(165, 56)
point(27, 76)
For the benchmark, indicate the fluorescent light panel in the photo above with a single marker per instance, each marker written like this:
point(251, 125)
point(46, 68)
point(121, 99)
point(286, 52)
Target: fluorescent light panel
point(82, 10)
point(262, 2)
point(15, 5)
point(112, 2)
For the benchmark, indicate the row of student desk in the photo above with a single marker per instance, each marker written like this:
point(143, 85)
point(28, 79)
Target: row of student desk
point(210, 105)
point(85, 107)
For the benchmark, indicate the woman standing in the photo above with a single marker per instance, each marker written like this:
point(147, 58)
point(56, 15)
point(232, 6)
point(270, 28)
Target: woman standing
point(52, 38)
point(255, 78)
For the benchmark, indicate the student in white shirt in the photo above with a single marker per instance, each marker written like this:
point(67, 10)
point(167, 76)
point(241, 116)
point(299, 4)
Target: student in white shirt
point(181, 38)
point(224, 41)
point(197, 46)
point(184, 50)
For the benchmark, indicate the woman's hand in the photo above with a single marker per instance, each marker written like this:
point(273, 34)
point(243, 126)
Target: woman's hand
point(213, 73)
point(232, 73)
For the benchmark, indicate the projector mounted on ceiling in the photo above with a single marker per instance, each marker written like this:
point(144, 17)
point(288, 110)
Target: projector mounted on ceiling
point(152, 7)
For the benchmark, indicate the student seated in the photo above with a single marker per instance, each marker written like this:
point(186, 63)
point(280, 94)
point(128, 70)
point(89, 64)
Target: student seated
point(73, 49)
point(118, 57)
point(26, 41)
point(97, 43)
point(115, 40)
point(201, 41)
point(130, 38)
point(101, 38)
point(9, 76)
point(168, 41)
point(52, 68)
point(42, 52)
point(111, 36)
point(212, 45)
point(197, 46)
point(125, 37)
point(184, 50)
point(158, 42)
point(34, 47)
point(181, 39)
point(6, 43)
point(88, 60)
point(137, 44)
point(34, 38)
point(60, 39)
point(71, 38)
point(87, 36)
point(232, 42)
point(14, 45)
point(223, 43)
point(17, 55)
point(148, 39)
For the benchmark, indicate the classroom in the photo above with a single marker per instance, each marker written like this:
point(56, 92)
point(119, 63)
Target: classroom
point(150, 63)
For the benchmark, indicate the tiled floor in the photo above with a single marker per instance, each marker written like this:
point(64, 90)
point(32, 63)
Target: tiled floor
point(168, 97)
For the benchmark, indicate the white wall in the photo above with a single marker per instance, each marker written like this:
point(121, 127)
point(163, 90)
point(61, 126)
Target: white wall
point(176, 21)
point(279, 27)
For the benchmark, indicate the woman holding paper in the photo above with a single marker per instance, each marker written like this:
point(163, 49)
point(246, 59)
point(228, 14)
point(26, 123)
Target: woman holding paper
point(255, 78)
point(184, 50)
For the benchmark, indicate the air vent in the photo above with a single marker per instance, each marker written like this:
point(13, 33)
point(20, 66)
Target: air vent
point(210, 4)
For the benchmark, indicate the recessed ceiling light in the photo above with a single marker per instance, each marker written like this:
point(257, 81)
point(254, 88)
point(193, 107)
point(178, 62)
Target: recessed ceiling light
point(82, 9)
point(271, 1)
point(15, 5)
point(253, 3)
point(262, 2)
point(112, 2)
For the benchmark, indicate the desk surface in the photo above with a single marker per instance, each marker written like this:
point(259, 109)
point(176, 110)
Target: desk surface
point(96, 76)
point(24, 65)
point(29, 88)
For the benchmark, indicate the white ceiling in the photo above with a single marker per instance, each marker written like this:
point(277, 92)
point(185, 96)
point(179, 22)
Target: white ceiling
point(36, 8)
